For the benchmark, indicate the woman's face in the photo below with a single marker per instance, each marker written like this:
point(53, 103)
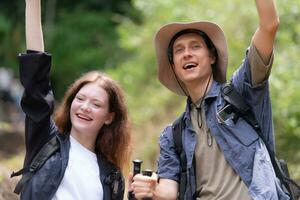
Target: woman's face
point(90, 110)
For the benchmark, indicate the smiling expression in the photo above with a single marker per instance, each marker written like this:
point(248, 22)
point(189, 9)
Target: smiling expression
point(90, 110)
point(191, 58)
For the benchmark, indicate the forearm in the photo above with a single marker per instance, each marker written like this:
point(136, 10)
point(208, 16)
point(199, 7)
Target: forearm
point(166, 189)
point(33, 26)
point(264, 36)
point(267, 12)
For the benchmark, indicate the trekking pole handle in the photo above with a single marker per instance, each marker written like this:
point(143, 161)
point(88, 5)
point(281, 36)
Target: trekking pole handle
point(136, 170)
point(147, 172)
point(137, 166)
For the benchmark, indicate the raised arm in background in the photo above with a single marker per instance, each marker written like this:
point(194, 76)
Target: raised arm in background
point(33, 26)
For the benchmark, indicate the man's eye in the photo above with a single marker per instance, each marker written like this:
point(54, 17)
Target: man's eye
point(179, 50)
point(196, 46)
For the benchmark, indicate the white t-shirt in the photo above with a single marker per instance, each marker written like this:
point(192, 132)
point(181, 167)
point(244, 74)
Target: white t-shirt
point(82, 177)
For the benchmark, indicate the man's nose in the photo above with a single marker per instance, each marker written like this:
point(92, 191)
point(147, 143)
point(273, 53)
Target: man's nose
point(187, 53)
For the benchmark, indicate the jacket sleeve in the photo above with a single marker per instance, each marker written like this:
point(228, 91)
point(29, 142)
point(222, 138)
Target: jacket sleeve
point(37, 101)
point(257, 96)
point(168, 166)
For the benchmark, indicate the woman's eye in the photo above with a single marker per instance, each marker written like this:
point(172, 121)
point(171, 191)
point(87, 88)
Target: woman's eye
point(97, 105)
point(79, 98)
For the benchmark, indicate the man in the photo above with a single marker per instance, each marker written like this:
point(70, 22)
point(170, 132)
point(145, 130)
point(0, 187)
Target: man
point(230, 160)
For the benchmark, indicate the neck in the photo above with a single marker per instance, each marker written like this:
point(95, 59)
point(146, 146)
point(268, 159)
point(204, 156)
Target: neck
point(85, 140)
point(198, 90)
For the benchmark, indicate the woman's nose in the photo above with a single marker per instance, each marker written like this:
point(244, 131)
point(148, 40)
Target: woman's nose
point(86, 106)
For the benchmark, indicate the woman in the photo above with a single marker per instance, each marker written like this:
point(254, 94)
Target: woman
point(90, 126)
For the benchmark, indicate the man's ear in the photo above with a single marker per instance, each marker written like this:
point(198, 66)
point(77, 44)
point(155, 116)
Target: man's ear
point(212, 59)
point(110, 118)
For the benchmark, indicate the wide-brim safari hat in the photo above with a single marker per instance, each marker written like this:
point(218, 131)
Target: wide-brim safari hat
point(162, 40)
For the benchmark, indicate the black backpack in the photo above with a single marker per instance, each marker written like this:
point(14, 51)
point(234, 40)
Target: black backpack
point(44, 154)
point(39, 159)
point(237, 105)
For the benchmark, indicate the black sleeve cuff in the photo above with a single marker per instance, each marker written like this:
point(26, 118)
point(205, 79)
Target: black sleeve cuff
point(34, 68)
point(37, 101)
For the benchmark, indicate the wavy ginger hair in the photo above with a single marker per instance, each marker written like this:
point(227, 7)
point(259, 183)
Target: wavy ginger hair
point(114, 139)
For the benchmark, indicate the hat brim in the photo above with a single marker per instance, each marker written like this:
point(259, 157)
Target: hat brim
point(162, 39)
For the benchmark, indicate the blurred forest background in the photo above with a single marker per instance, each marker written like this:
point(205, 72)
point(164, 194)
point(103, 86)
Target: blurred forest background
point(116, 36)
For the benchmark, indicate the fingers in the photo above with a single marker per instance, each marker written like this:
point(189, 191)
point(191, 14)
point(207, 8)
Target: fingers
point(130, 180)
point(144, 186)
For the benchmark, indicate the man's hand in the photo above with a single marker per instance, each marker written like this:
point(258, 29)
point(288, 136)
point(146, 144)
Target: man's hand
point(144, 186)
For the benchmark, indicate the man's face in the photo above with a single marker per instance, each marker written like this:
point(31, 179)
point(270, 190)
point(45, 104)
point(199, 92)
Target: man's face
point(191, 58)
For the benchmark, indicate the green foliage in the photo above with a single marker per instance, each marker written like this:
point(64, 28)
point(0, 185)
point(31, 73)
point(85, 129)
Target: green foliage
point(284, 88)
point(90, 43)
point(81, 35)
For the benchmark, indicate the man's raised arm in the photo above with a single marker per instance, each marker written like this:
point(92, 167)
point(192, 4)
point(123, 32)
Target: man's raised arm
point(264, 36)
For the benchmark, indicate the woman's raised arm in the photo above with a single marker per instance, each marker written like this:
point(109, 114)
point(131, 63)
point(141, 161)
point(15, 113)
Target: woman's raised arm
point(33, 26)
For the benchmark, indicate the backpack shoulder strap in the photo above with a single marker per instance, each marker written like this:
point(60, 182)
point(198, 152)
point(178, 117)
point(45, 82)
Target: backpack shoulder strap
point(117, 185)
point(240, 106)
point(242, 109)
point(39, 159)
point(114, 180)
point(178, 127)
point(177, 133)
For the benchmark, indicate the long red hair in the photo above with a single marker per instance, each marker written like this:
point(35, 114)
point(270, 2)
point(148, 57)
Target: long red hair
point(113, 140)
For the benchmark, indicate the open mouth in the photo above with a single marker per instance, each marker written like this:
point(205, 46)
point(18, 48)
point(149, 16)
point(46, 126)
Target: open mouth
point(189, 66)
point(84, 117)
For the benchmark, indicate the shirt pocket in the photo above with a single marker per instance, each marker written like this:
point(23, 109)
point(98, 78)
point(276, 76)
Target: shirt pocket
point(242, 131)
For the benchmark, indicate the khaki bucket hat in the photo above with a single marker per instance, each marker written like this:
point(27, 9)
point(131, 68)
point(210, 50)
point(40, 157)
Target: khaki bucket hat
point(162, 39)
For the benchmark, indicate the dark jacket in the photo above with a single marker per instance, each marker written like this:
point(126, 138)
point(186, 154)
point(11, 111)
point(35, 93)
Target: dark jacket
point(38, 104)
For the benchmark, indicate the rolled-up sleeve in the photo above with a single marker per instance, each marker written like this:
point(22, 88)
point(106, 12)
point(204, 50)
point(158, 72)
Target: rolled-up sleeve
point(37, 101)
point(260, 71)
point(168, 161)
point(257, 94)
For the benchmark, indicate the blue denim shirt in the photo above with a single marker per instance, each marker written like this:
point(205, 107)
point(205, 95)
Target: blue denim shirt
point(238, 141)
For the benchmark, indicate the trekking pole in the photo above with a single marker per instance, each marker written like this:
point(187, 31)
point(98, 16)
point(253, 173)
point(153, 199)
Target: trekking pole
point(136, 170)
